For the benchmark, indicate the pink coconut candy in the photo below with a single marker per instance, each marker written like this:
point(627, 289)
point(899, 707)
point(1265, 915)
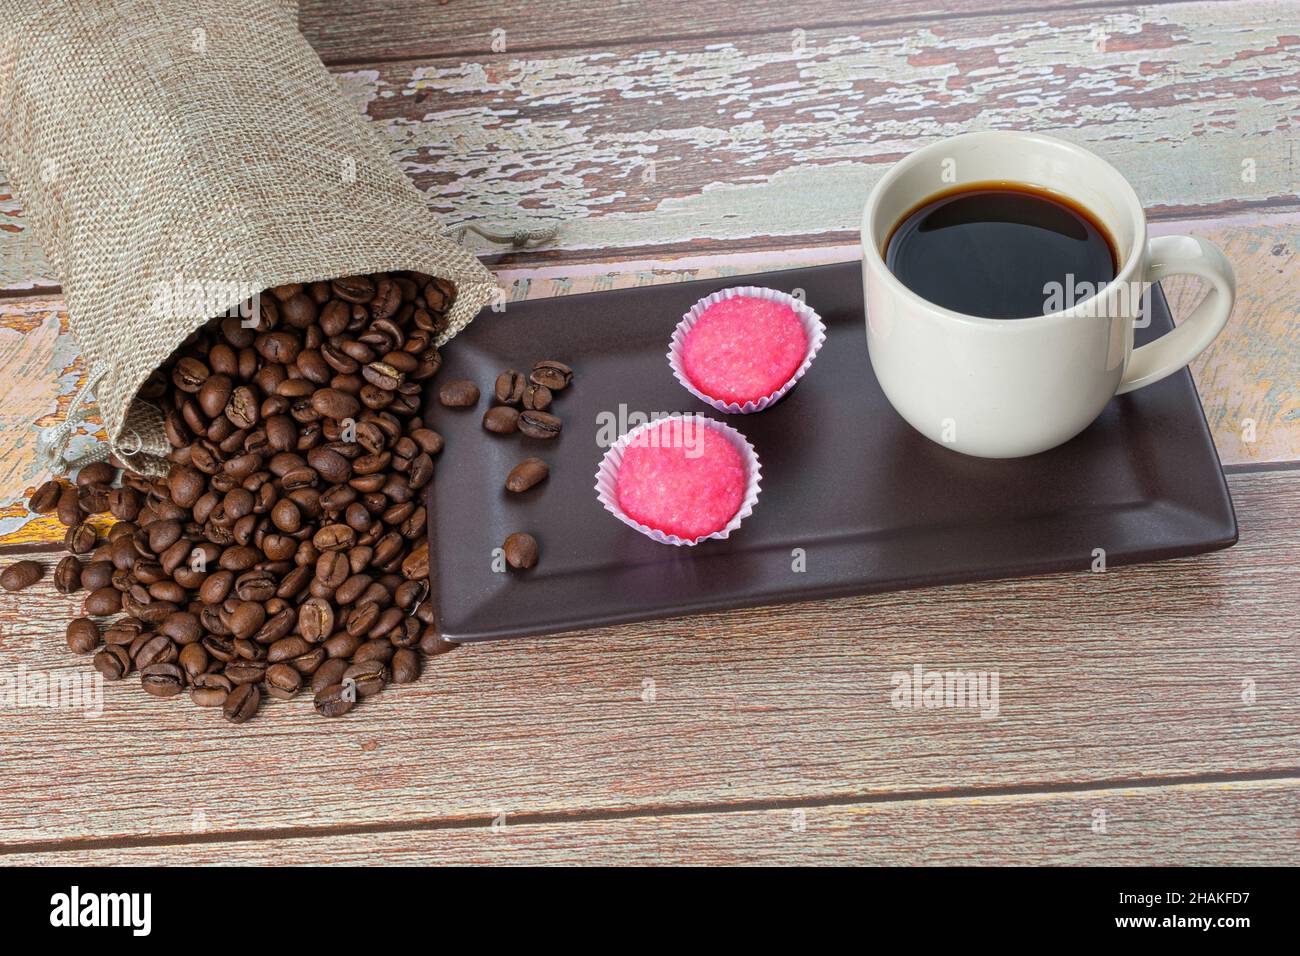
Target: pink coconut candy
point(681, 478)
point(743, 348)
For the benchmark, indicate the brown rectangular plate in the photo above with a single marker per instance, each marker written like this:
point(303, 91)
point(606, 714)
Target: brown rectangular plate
point(851, 494)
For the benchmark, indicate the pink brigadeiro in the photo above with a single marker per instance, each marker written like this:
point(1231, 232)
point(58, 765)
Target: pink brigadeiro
point(680, 480)
point(742, 349)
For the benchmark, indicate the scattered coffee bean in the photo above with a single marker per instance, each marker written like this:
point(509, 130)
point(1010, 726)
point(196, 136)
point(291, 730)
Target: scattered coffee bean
point(554, 375)
point(539, 424)
point(45, 499)
point(83, 635)
point(162, 680)
point(501, 419)
point(460, 393)
point(67, 574)
point(537, 398)
point(335, 700)
point(529, 472)
point(283, 681)
point(405, 666)
point(80, 539)
point(113, 661)
point(510, 387)
point(21, 574)
point(521, 550)
point(241, 703)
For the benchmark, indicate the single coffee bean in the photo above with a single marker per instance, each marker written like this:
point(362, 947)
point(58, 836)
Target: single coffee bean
point(521, 550)
point(97, 473)
point(283, 681)
point(510, 387)
point(158, 649)
point(245, 671)
point(405, 666)
point(536, 398)
point(369, 676)
point(80, 539)
point(336, 404)
point(460, 393)
point(193, 660)
point(432, 643)
point(315, 620)
point(45, 499)
point(415, 566)
point(21, 574)
point(162, 680)
point(83, 635)
point(539, 424)
point(334, 537)
point(113, 661)
point(102, 602)
point(69, 508)
point(526, 474)
point(501, 419)
point(241, 703)
point(335, 700)
point(554, 375)
point(327, 673)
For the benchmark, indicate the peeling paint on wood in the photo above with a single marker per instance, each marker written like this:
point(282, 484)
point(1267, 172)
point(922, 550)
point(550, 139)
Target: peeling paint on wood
point(678, 141)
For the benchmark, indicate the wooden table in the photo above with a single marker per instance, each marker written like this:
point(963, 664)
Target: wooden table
point(1148, 714)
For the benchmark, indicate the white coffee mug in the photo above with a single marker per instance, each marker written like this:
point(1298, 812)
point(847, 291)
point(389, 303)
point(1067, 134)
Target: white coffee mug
point(1001, 388)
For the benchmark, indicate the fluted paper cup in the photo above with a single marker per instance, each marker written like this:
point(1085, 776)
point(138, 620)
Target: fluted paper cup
point(813, 327)
point(607, 477)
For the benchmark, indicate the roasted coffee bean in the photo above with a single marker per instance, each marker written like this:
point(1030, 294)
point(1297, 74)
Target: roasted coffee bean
point(45, 499)
point(243, 671)
point(334, 537)
point(80, 539)
point(157, 649)
point(554, 375)
point(287, 648)
point(529, 472)
point(22, 574)
point(193, 660)
point(241, 703)
point(163, 679)
point(536, 398)
point(430, 441)
point(102, 602)
point(405, 666)
point(335, 700)
point(113, 661)
point(283, 681)
point(358, 289)
point(67, 574)
point(432, 644)
point(333, 403)
point(315, 620)
point(83, 635)
point(510, 387)
point(369, 677)
point(97, 473)
point(327, 673)
point(539, 424)
point(501, 419)
point(459, 393)
point(69, 509)
point(521, 550)
point(415, 566)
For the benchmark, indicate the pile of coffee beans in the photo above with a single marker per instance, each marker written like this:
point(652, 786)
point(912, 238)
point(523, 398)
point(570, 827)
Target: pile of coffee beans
point(286, 551)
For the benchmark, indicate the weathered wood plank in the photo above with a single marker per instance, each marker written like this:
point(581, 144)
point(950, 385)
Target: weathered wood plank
point(698, 144)
point(1222, 824)
point(1156, 672)
point(1247, 380)
point(411, 29)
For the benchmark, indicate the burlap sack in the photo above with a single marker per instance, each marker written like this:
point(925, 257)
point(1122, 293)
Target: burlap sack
point(174, 156)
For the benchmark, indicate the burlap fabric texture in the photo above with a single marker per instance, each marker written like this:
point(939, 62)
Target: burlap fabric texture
point(175, 156)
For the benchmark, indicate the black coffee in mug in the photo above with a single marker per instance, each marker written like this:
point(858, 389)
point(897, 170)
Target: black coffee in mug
point(1001, 251)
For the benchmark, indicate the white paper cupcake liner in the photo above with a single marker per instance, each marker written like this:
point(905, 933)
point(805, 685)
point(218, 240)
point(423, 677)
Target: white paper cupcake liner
point(812, 326)
point(607, 475)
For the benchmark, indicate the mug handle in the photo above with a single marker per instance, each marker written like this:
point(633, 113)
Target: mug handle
point(1183, 255)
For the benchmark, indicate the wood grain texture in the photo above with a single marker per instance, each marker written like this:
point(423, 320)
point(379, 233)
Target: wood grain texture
point(701, 144)
point(414, 29)
point(1159, 672)
point(1223, 824)
point(1249, 379)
